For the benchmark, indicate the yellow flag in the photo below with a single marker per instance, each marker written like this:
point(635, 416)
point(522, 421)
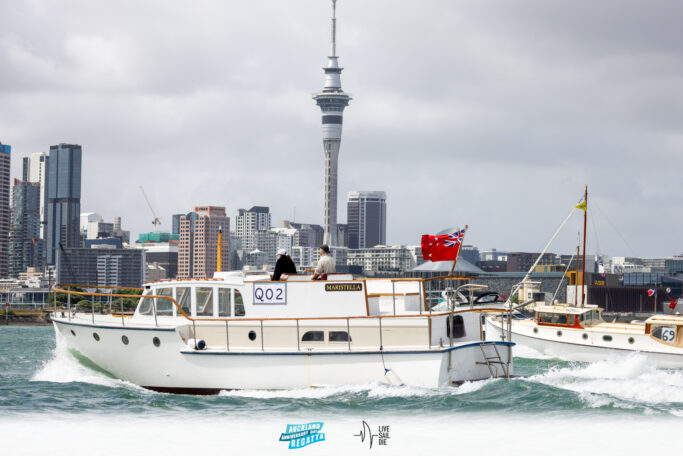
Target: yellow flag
point(581, 206)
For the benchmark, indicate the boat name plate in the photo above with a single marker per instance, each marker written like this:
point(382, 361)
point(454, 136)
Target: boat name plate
point(343, 287)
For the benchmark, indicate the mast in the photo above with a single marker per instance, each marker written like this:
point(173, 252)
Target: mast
point(583, 273)
point(576, 279)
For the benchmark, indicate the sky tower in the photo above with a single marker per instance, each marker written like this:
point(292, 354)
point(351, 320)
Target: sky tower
point(332, 101)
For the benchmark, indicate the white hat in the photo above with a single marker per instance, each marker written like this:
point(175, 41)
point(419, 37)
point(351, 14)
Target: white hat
point(281, 252)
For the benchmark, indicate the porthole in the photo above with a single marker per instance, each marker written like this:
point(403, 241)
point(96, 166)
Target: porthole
point(559, 333)
point(584, 336)
point(125, 340)
point(607, 338)
point(535, 330)
point(631, 340)
point(252, 335)
point(96, 336)
point(73, 333)
point(156, 341)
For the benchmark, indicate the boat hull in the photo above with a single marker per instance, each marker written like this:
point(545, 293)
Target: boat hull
point(569, 343)
point(171, 366)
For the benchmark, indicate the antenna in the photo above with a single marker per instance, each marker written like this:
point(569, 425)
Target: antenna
point(334, 28)
point(156, 220)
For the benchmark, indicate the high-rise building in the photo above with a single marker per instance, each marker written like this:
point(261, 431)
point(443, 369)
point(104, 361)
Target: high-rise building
point(63, 199)
point(35, 170)
point(307, 235)
point(5, 215)
point(26, 249)
point(176, 223)
point(367, 219)
point(332, 101)
point(249, 222)
point(198, 248)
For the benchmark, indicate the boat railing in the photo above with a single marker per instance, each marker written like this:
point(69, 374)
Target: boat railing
point(103, 303)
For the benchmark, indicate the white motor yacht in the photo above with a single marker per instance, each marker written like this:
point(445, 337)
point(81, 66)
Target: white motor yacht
point(241, 330)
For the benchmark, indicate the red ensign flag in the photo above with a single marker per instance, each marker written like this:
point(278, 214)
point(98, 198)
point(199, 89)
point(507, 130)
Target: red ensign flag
point(442, 248)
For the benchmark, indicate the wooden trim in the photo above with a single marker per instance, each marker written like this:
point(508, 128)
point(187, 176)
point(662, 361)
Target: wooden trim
point(367, 304)
point(95, 286)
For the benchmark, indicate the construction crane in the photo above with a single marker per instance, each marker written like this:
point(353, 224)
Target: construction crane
point(157, 221)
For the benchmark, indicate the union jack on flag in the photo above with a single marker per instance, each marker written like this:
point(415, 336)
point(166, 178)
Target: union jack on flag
point(454, 239)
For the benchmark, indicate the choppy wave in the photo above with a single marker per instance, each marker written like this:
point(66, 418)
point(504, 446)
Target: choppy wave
point(621, 381)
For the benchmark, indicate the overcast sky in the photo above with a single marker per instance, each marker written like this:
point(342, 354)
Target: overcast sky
point(489, 113)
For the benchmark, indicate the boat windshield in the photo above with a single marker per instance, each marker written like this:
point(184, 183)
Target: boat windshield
point(590, 316)
point(666, 334)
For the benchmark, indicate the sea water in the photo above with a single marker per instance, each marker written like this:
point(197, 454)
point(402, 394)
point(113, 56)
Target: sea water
point(54, 402)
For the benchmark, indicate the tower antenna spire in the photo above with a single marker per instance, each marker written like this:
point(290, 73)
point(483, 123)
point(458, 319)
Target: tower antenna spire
point(334, 28)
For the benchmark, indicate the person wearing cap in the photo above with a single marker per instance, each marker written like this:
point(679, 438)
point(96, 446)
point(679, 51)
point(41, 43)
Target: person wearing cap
point(325, 264)
point(283, 265)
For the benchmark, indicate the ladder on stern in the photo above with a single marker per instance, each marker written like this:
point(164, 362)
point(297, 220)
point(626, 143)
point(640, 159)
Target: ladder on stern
point(492, 361)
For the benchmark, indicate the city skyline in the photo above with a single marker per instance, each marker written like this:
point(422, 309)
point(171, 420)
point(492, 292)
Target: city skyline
point(512, 127)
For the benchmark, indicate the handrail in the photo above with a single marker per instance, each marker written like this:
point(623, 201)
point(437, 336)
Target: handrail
point(189, 318)
point(358, 317)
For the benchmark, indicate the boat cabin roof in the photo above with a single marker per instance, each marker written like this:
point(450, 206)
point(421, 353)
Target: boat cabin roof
point(570, 310)
point(665, 320)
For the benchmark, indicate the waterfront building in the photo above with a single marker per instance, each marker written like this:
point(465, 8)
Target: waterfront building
point(63, 199)
point(470, 253)
point(5, 214)
point(397, 258)
point(249, 222)
point(101, 266)
point(164, 258)
point(493, 255)
point(332, 101)
point(367, 219)
point(26, 249)
point(161, 253)
point(306, 235)
point(522, 261)
point(197, 250)
point(35, 170)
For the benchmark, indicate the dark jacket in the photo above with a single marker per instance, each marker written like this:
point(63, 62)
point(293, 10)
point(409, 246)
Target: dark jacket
point(284, 265)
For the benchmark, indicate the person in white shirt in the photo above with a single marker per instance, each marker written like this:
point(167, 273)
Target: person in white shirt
point(325, 264)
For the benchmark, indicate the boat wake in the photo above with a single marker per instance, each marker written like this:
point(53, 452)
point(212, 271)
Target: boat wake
point(370, 390)
point(620, 381)
point(64, 367)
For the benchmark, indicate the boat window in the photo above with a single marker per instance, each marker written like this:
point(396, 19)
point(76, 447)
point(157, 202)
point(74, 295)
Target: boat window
point(545, 317)
point(458, 327)
point(664, 333)
point(313, 336)
point(607, 338)
point(146, 306)
point(224, 302)
point(571, 320)
point(239, 304)
point(204, 299)
point(183, 297)
point(164, 306)
point(560, 319)
point(339, 336)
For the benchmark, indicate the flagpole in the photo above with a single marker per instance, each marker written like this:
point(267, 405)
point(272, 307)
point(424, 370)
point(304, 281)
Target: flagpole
point(583, 274)
point(459, 247)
